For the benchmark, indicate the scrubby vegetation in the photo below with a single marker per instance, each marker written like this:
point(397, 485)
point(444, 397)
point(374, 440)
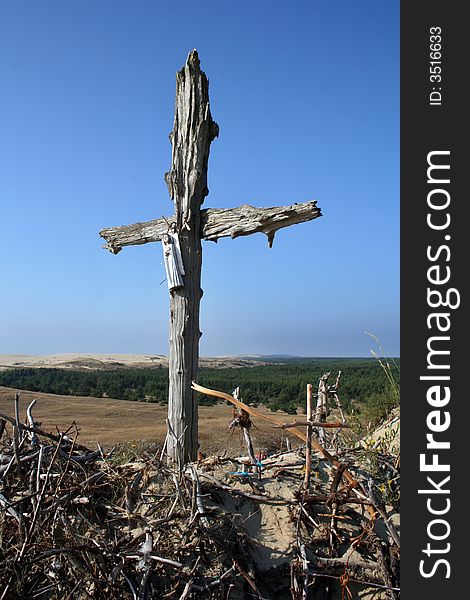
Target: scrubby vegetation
point(280, 386)
point(378, 406)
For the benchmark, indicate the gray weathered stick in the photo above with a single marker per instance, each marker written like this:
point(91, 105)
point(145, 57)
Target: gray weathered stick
point(334, 425)
point(29, 414)
point(199, 504)
point(193, 132)
point(16, 433)
point(308, 446)
point(216, 223)
point(246, 431)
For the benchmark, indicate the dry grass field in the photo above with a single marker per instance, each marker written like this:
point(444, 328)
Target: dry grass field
point(109, 422)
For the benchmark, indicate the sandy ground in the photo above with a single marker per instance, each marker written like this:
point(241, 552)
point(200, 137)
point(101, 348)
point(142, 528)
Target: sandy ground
point(270, 529)
point(68, 359)
point(108, 422)
point(111, 361)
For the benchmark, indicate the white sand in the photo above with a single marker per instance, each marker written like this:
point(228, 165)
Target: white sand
point(96, 361)
point(67, 359)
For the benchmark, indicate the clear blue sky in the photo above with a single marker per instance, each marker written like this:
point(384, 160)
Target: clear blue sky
point(306, 95)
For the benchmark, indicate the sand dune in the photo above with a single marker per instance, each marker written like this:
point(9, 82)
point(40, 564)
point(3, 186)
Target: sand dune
point(110, 361)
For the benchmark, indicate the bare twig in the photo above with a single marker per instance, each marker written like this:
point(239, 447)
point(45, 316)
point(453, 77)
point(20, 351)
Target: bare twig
point(308, 446)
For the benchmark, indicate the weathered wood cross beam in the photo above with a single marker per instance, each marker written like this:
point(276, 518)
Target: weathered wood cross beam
point(193, 132)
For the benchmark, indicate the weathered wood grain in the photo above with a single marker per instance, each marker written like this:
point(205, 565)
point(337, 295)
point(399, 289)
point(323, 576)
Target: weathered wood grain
point(191, 137)
point(193, 132)
point(216, 223)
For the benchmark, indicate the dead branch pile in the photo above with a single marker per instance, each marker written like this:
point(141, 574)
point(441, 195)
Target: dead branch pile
point(77, 523)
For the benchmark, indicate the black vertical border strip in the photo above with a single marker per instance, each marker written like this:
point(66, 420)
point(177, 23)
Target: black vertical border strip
point(424, 129)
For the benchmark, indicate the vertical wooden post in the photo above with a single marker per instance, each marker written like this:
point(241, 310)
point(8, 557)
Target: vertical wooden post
point(193, 132)
point(308, 447)
point(322, 402)
point(243, 420)
point(322, 405)
point(191, 137)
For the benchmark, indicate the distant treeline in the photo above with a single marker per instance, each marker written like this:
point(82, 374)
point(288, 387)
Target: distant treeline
point(278, 386)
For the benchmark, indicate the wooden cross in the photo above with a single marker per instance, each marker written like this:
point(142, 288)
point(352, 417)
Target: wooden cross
point(193, 132)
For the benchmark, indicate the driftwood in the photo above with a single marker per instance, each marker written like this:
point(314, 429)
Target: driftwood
point(242, 420)
point(191, 137)
point(52, 436)
point(297, 432)
point(263, 499)
point(114, 531)
point(198, 496)
point(216, 223)
point(331, 425)
point(358, 488)
point(361, 572)
point(322, 398)
point(72, 538)
point(193, 132)
point(308, 444)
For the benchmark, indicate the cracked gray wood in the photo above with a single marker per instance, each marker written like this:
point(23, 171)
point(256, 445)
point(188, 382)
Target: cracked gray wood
point(191, 137)
point(193, 132)
point(215, 223)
